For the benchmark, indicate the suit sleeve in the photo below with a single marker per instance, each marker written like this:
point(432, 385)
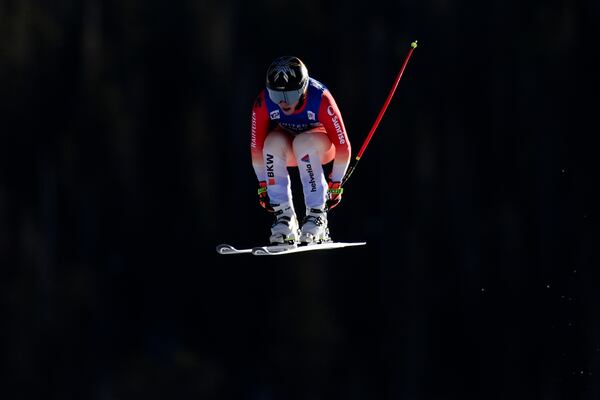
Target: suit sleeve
point(331, 118)
point(258, 131)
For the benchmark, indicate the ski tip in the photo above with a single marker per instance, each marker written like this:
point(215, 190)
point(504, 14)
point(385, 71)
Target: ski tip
point(229, 249)
point(224, 248)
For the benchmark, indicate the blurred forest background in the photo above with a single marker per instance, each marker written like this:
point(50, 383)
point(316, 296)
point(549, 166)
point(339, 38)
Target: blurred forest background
point(124, 161)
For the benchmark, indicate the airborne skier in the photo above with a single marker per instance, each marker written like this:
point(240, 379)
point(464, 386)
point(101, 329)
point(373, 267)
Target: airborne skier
point(296, 123)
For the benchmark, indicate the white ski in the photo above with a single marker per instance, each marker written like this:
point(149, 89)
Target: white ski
point(229, 249)
point(280, 250)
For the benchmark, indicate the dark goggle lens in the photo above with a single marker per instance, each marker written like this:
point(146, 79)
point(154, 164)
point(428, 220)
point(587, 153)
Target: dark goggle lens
point(288, 96)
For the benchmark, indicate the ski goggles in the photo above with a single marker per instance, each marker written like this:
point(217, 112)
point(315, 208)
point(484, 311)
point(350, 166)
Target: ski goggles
point(288, 96)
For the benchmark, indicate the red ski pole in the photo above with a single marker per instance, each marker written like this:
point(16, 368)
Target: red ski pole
point(413, 46)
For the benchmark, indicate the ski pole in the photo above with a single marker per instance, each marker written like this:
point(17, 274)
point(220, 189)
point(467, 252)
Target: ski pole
point(413, 46)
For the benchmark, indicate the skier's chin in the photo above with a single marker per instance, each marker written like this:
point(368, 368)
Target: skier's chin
point(287, 110)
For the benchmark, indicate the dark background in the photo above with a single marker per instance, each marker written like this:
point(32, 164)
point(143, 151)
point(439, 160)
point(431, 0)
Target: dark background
point(124, 161)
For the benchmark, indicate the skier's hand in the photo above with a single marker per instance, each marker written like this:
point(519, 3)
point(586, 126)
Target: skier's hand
point(334, 194)
point(263, 197)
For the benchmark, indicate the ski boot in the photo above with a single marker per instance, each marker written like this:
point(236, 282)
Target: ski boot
point(285, 228)
point(314, 227)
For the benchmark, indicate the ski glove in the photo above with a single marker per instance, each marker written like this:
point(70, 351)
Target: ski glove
point(334, 194)
point(263, 197)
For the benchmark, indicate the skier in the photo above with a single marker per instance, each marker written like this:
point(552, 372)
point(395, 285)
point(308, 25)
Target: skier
point(296, 123)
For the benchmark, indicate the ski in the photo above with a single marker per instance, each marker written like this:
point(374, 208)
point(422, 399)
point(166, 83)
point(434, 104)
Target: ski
point(229, 249)
point(281, 250)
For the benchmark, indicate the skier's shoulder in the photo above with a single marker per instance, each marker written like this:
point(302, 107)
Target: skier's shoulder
point(316, 86)
point(318, 94)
